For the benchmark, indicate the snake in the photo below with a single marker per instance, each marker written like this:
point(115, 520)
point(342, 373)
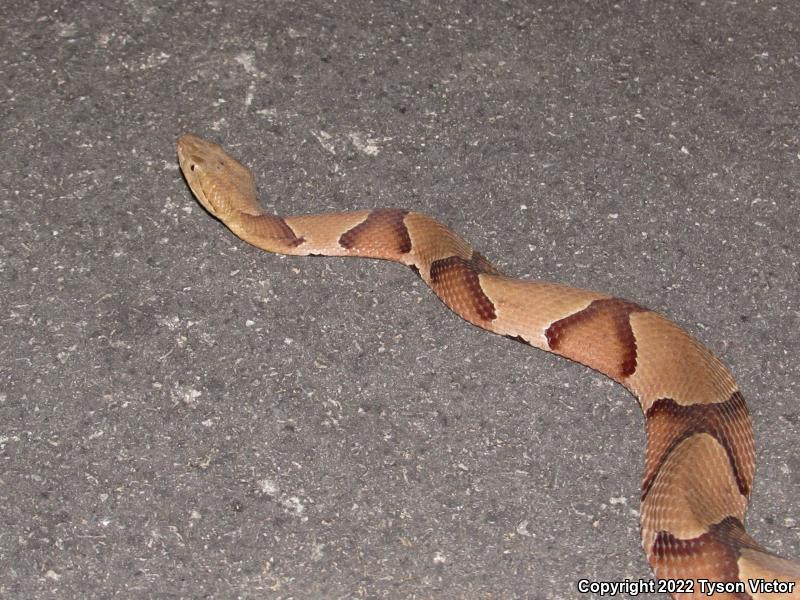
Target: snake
point(700, 453)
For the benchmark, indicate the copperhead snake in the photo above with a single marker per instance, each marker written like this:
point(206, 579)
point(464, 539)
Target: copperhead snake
point(699, 457)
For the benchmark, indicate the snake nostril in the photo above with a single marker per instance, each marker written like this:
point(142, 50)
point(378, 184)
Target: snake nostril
point(192, 166)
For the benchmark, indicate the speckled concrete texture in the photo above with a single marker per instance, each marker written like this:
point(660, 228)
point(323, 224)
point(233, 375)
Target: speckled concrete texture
point(183, 416)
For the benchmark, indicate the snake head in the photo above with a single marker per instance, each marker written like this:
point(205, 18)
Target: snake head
point(220, 183)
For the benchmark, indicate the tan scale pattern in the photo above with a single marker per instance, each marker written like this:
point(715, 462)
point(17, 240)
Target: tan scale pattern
point(599, 337)
point(320, 235)
point(754, 563)
point(455, 281)
point(384, 232)
point(267, 227)
point(672, 364)
point(482, 264)
point(526, 309)
point(715, 551)
point(432, 241)
point(699, 457)
point(694, 489)
point(669, 423)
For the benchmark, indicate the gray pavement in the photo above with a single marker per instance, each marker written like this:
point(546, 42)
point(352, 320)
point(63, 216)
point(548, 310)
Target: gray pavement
point(183, 416)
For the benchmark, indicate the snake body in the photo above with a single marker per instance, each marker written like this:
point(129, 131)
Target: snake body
point(699, 457)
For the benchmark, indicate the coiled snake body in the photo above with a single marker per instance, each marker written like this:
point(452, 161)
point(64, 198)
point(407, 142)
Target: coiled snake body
point(699, 458)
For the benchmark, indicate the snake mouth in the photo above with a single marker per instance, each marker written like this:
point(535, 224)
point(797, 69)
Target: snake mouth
point(196, 185)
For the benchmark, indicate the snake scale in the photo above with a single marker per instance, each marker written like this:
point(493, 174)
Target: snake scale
point(699, 457)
